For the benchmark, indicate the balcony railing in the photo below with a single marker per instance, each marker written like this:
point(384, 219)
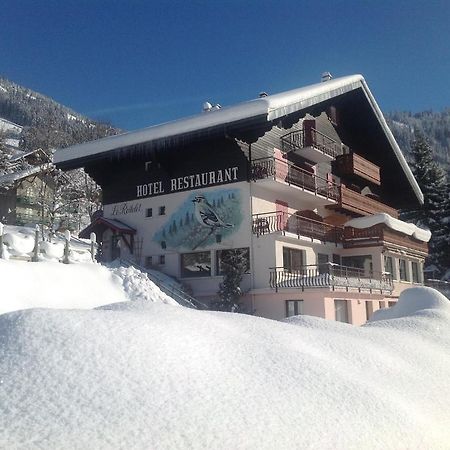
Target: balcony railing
point(355, 202)
point(351, 164)
point(287, 172)
point(330, 275)
point(380, 234)
point(292, 223)
point(310, 137)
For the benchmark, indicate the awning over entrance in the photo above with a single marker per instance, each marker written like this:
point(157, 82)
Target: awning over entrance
point(99, 225)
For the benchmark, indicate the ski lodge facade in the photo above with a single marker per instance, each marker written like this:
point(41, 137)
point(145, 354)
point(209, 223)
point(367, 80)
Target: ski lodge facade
point(307, 182)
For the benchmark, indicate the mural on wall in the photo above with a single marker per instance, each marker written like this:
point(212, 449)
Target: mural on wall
point(202, 219)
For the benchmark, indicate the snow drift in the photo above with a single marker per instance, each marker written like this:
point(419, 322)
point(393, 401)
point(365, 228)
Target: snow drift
point(146, 375)
point(50, 284)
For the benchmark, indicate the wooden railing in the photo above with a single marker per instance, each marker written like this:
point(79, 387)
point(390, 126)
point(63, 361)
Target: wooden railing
point(293, 223)
point(330, 275)
point(361, 204)
point(297, 140)
point(354, 164)
point(380, 233)
point(285, 171)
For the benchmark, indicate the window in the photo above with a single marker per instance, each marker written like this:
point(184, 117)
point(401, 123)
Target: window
point(163, 245)
point(196, 264)
point(391, 304)
point(293, 259)
point(294, 308)
point(162, 259)
point(389, 266)
point(148, 261)
point(220, 254)
point(162, 211)
point(380, 305)
point(341, 311)
point(402, 269)
point(358, 265)
point(415, 272)
point(149, 212)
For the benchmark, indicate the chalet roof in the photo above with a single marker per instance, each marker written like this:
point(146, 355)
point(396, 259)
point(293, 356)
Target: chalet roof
point(21, 174)
point(266, 110)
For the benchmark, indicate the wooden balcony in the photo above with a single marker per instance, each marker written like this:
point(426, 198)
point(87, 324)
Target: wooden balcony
point(297, 225)
point(380, 234)
point(357, 203)
point(351, 165)
point(311, 144)
point(330, 276)
point(283, 171)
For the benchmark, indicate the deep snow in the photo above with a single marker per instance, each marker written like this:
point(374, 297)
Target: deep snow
point(146, 375)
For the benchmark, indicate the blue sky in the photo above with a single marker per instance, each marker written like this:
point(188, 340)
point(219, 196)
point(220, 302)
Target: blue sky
point(139, 63)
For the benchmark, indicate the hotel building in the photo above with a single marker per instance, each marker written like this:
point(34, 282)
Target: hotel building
point(307, 182)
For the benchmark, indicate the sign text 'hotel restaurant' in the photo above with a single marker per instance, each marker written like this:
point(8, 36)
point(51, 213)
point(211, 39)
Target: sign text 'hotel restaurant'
point(188, 182)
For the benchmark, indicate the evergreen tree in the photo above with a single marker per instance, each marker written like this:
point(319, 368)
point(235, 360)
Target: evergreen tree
point(431, 180)
point(445, 253)
point(234, 265)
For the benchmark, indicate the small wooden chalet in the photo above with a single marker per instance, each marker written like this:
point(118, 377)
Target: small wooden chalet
point(24, 188)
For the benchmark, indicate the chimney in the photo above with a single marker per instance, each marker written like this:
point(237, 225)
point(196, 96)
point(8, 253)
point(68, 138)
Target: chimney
point(326, 76)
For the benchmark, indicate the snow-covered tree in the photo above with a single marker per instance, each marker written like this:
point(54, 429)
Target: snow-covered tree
point(432, 181)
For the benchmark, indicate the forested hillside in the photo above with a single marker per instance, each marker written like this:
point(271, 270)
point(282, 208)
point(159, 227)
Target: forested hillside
point(30, 121)
point(46, 124)
point(434, 126)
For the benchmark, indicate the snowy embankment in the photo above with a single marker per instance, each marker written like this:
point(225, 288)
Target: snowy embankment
point(50, 284)
point(146, 375)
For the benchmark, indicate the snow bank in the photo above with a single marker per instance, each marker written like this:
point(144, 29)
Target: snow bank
point(85, 285)
point(394, 224)
point(150, 376)
point(411, 302)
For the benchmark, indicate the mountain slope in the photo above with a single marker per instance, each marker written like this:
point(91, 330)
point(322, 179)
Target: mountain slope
point(435, 126)
point(46, 123)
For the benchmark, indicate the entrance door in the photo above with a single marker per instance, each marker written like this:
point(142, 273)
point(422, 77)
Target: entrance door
point(115, 246)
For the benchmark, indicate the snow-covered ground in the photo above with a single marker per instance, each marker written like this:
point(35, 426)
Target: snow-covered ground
point(50, 284)
point(147, 375)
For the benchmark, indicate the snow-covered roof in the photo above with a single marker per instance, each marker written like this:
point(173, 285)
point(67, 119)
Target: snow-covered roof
point(19, 175)
point(394, 224)
point(23, 154)
point(270, 108)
